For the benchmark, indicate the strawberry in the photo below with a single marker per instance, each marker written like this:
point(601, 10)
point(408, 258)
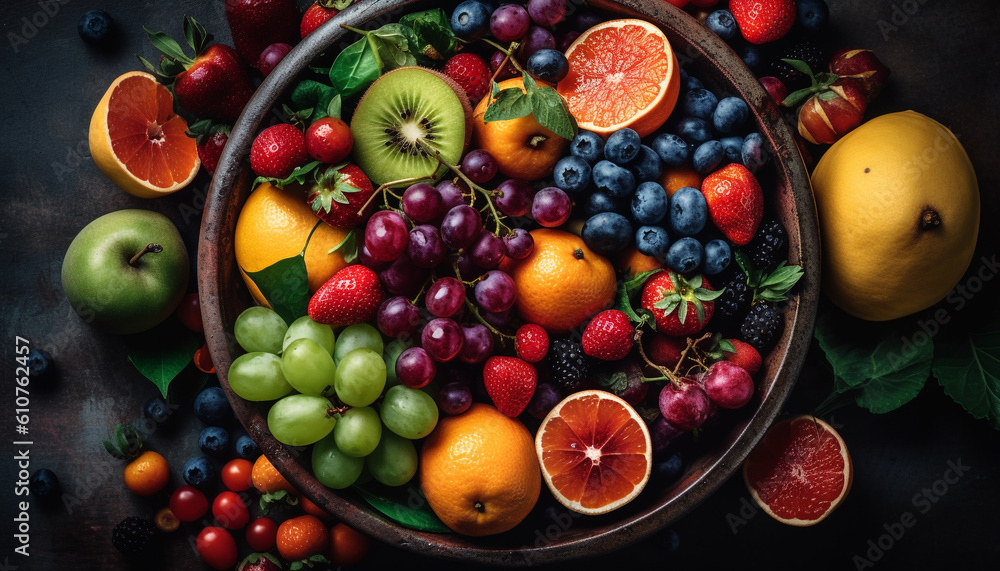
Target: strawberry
point(259, 562)
point(212, 84)
point(735, 202)
point(763, 21)
point(608, 336)
point(277, 150)
point(350, 296)
point(681, 307)
point(211, 137)
point(340, 194)
point(471, 73)
point(664, 350)
point(531, 342)
point(319, 13)
point(256, 24)
point(745, 356)
point(510, 382)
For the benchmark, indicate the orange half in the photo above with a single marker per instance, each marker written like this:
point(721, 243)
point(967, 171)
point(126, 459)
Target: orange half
point(595, 452)
point(622, 73)
point(138, 141)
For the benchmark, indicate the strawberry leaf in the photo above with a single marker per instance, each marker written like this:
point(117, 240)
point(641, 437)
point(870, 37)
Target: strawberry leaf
point(708, 294)
point(624, 298)
point(169, 47)
point(299, 176)
point(682, 311)
point(800, 66)
point(727, 346)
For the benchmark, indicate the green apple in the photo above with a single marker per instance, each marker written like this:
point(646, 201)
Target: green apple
point(126, 271)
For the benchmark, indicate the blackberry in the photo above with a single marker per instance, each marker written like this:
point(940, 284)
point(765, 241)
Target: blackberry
point(768, 246)
point(734, 303)
point(133, 535)
point(762, 327)
point(568, 364)
point(806, 51)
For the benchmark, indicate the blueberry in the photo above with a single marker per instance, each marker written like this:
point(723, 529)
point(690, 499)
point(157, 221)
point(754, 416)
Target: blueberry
point(671, 468)
point(717, 256)
point(606, 233)
point(470, 20)
point(684, 256)
point(649, 204)
point(670, 541)
point(733, 147)
point(599, 202)
point(587, 145)
point(212, 408)
point(753, 154)
point(622, 146)
point(700, 103)
point(707, 156)
point(44, 484)
point(39, 363)
point(722, 23)
point(694, 130)
point(646, 165)
point(96, 27)
point(199, 472)
point(688, 211)
point(672, 149)
point(812, 15)
point(156, 409)
point(752, 56)
point(730, 116)
point(246, 447)
point(213, 440)
point(652, 241)
point(617, 181)
point(572, 174)
point(548, 65)
point(692, 82)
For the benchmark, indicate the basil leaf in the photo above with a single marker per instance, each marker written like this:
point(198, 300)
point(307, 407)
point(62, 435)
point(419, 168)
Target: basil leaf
point(512, 103)
point(162, 352)
point(420, 518)
point(392, 44)
point(968, 368)
point(434, 38)
point(552, 113)
point(315, 95)
point(355, 69)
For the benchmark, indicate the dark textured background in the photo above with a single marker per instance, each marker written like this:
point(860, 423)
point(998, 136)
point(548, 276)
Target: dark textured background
point(944, 63)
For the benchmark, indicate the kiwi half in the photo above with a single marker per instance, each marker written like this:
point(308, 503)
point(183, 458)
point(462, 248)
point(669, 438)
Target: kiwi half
point(402, 107)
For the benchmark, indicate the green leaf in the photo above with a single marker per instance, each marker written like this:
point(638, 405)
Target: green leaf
point(616, 382)
point(335, 106)
point(727, 346)
point(434, 40)
point(285, 285)
point(775, 286)
point(968, 368)
point(552, 113)
point(168, 46)
point(624, 296)
point(512, 103)
point(348, 246)
point(420, 518)
point(708, 294)
point(392, 45)
point(300, 175)
point(309, 94)
point(355, 69)
point(342, 4)
point(886, 372)
point(161, 353)
point(800, 66)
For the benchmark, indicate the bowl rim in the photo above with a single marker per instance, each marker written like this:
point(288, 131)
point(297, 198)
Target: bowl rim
point(800, 314)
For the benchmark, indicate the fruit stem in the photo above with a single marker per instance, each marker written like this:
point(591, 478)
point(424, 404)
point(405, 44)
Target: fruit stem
point(154, 248)
point(667, 374)
point(930, 219)
point(330, 412)
point(384, 188)
point(509, 52)
point(479, 318)
point(692, 345)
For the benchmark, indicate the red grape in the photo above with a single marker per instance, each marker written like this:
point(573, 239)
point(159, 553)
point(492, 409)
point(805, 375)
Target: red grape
point(518, 244)
point(515, 197)
point(488, 251)
point(685, 407)
point(496, 291)
point(272, 56)
point(546, 397)
point(454, 398)
point(426, 249)
point(397, 317)
point(461, 227)
point(422, 202)
point(551, 207)
point(509, 22)
point(386, 235)
point(403, 277)
point(477, 343)
point(445, 297)
point(442, 339)
point(547, 12)
point(415, 368)
point(727, 384)
point(479, 166)
point(538, 38)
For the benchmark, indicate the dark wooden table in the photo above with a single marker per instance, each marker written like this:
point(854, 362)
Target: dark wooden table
point(944, 57)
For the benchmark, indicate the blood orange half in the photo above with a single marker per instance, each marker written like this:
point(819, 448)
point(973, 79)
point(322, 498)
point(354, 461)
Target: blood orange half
point(138, 141)
point(622, 73)
point(800, 471)
point(595, 452)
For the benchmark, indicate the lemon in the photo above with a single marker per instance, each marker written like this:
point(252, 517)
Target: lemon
point(898, 207)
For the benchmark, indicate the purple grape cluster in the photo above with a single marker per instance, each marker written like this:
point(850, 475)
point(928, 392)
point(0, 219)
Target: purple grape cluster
point(692, 402)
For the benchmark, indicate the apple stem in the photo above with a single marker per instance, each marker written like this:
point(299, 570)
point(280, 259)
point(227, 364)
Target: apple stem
point(154, 248)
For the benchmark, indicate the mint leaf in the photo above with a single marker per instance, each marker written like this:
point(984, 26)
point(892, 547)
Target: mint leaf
point(355, 69)
point(420, 518)
point(392, 45)
point(162, 352)
point(512, 103)
point(968, 368)
point(552, 113)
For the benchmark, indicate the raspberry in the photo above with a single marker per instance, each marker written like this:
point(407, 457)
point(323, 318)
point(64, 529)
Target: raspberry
point(762, 327)
point(769, 246)
point(568, 364)
point(133, 535)
point(531, 342)
point(471, 73)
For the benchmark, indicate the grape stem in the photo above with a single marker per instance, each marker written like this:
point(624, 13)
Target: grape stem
point(383, 189)
point(509, 53)
point(479, 318)
point(667, 374)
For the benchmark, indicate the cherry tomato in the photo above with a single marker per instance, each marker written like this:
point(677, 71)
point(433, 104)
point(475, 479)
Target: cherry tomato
point(329, 140)
point(347, 546)
point(217, 547)
point(189, 312)
point(261, 534)
point(203, 360)
point(236, 475)
point(230, 510)
point(312, 509)
point(188, 503)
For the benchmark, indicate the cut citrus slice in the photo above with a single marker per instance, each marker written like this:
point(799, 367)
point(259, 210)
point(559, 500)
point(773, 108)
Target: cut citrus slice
point(595, 452)
point(138, 141)
point(622, 73)
point(800, 471)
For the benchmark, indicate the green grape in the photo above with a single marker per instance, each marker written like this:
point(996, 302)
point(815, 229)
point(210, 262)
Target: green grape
point(410, 413)
point(389, 355)
point(260, 329)
point(332, 467)
point(358, 431)
point(257, 376)
point(394, 460)
point(308, 367)
point(354, 336)
point(299, 420)
point(360, 377)
point(306, 328)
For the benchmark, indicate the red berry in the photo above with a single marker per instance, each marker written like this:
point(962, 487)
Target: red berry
point(277, 150)
point(340, 194)
point(763, 21)
point(315, 16)
point(329, 140)
point(680, 306)
point(471, 73)
point(351, 296)
point(531, 342)
point(745, 356)
point(510, 382)
point(608, 336)
point(735, 202)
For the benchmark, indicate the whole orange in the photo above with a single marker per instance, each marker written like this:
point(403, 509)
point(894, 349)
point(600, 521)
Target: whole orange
point(562, 283)
point(479, 471)
point(635, 262)
point(302, 537)
point(275, 224)
point(147, 474)
point(522, 147)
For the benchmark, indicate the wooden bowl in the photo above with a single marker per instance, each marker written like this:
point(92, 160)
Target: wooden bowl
point(543, 537)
